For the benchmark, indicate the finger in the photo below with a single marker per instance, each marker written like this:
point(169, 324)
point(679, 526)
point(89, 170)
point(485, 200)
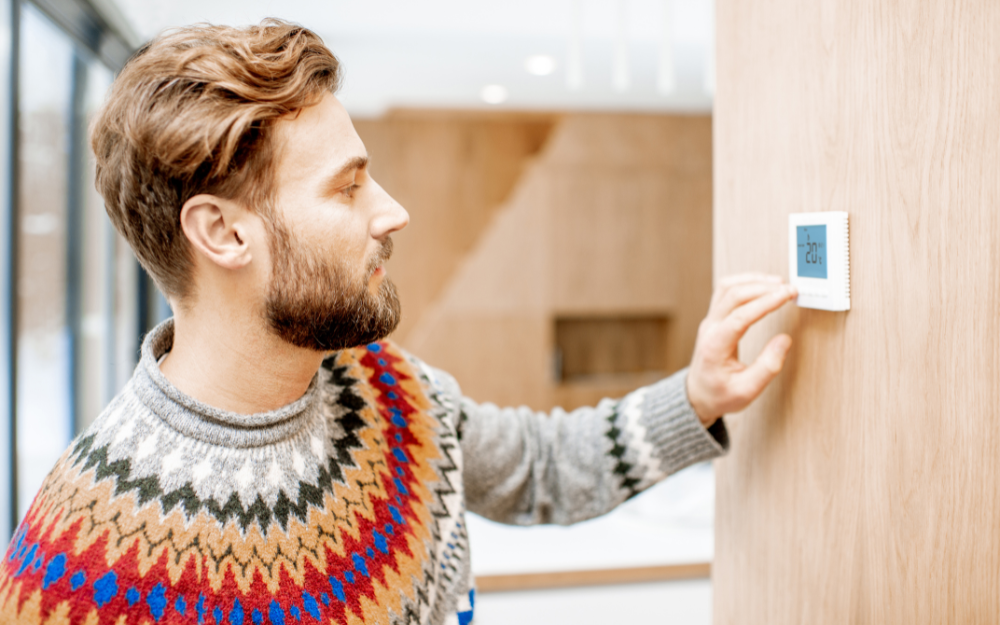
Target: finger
point(739, 321)
point(752, 381)
point(741, 278)
point(740, 294)
point(725, 284)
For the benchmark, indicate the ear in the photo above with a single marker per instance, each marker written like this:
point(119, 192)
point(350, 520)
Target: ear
point(218, 229)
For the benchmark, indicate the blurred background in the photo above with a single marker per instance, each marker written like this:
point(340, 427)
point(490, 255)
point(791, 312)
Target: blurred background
point(556, 160)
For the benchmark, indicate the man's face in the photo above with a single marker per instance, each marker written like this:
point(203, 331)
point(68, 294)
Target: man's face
point(328, 288)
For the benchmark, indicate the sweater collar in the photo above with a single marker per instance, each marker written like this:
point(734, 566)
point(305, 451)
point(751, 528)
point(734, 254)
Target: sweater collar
point(198, 420)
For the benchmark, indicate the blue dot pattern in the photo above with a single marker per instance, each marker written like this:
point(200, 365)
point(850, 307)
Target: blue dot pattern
point(310, 606)
point(275, 613)
point(236, 615)
point(105, 589)
point(157, 601)
point(54, 571)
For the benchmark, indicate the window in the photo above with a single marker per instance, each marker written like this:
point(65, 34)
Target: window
point(72, 296)
point(44, 410)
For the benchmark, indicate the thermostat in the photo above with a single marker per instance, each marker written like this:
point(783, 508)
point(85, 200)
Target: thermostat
point(819, 259)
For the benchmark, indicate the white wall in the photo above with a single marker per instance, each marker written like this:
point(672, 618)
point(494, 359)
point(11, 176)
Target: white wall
point(663, 603)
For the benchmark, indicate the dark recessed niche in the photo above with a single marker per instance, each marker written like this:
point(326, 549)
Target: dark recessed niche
point(592, 348)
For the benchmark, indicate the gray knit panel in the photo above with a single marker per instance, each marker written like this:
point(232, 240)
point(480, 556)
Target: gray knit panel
point(525, 467)
point(672, 428)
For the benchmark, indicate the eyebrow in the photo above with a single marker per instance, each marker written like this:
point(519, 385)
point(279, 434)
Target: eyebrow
point(332, 183)
point(357, 162)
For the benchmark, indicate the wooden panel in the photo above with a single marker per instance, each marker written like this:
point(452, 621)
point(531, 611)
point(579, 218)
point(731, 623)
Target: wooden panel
point(452, 171)
point(862, 487)
point(632, 197)
point(597, 577)
point(611, 218)
point(495, 357)
point(595, 346)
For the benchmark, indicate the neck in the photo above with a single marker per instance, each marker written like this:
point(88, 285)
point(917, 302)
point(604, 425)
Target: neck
point(230, 361)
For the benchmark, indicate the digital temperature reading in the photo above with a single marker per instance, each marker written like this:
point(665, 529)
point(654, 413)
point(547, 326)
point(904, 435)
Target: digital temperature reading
point(819, 259)
point(812, 251)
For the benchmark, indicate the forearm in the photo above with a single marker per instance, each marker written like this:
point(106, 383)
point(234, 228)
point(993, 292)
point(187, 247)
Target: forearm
point(525, 467)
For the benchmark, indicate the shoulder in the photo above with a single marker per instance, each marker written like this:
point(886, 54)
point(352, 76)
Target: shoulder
point(388, 357)
point(385, 364)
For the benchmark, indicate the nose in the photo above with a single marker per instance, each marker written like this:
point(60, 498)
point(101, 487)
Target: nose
point(390, 216)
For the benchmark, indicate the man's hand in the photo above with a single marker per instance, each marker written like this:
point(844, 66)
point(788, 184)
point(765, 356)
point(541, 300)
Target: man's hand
point(718, 383)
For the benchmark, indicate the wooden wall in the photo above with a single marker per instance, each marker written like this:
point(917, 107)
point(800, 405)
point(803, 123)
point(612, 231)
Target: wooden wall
point(583, 215)
point(863, 487)
point(452, 170)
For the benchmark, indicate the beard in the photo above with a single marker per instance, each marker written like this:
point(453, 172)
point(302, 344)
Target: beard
point(315, 304)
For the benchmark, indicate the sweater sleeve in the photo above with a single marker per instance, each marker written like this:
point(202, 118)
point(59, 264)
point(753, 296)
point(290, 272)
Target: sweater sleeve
point(524, 467)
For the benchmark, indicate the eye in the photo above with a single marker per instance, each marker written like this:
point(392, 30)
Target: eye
point(349, 191)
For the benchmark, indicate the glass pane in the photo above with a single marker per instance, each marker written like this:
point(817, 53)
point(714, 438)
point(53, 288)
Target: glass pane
point(44, 409)
point(127, 329)
point(96, 380)
point(7, 238)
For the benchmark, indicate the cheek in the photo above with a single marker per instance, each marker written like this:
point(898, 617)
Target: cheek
point(334, 232)
point(343, 246)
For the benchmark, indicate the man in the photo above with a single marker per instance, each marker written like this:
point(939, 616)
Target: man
point(272, 460)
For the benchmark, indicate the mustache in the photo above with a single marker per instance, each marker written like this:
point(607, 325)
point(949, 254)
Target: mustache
point(381, 256)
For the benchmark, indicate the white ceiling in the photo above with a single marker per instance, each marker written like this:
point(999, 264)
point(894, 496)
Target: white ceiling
point(441, 53)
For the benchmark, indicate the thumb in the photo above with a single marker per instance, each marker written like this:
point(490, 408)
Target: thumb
point(767, 366)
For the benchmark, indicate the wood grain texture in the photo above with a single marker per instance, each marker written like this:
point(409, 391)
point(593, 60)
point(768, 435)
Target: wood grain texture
point(863, 486)
point(452, 171)
point(597, 346)
point(611, 218)
point(596, 577)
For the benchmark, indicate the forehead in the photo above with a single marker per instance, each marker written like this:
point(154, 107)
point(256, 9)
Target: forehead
point(316, 141)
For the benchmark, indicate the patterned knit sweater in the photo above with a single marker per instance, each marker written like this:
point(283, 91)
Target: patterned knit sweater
point(346, 506)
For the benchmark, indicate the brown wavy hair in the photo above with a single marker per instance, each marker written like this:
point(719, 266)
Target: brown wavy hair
point(193, 112)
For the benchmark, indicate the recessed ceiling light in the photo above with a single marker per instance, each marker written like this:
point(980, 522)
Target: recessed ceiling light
point(540, 65)
point(494, 94)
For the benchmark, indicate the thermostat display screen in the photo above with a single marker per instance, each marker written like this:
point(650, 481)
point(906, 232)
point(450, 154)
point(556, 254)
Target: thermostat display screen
point(819, 259)
point(812, 253)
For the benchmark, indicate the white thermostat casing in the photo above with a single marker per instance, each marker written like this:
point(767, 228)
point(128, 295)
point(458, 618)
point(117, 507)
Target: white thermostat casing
point(819, 259)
